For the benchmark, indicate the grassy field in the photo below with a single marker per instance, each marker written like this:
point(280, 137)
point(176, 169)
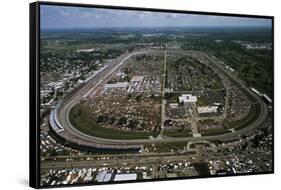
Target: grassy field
point(246, 121)
point(237, 125)
point(83, 122)
point(252, 115)
point(212, 132)
point(254, 68)
point(166, 147)
point(177, 133)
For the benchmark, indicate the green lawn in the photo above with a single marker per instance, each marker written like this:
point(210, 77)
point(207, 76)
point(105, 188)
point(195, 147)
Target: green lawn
point(177, 134)
point(213, 132)
point(239, 124)
point(166, 147)
point(246, 121)
point(84, 123)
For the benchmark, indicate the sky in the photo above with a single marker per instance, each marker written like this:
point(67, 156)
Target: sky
point(53, 17)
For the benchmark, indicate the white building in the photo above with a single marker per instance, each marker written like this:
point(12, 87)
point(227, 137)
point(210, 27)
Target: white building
point(137, 78)
point(125, 177)
point(187, 98)
point(207, 109)
point(256, 91)
point(117, 85)
point(174, 105)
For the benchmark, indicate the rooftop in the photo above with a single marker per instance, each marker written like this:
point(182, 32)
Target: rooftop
point(125, 177)
point(187, 98)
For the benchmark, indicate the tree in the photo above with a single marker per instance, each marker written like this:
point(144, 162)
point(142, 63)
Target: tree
point(122, 120)
point(100, 119)
point(112, 120)
point(133, 124)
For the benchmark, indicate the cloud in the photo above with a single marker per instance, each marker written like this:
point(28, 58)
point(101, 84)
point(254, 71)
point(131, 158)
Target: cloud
point(65, 17)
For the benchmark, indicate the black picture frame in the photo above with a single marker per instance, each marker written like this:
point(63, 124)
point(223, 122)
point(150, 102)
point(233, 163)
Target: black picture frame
point(34, 87)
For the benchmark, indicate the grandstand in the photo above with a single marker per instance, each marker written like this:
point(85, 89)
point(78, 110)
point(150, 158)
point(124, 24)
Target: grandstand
point(63, 136)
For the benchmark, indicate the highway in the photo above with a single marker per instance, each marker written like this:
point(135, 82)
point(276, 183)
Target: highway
point(135, 160)
point(73, 135)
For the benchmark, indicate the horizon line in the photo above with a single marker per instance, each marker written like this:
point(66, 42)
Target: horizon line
point(120, 27)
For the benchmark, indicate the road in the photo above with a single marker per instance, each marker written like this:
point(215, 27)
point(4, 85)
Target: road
point(135, 160)
point(163, 104)
point(73, 135)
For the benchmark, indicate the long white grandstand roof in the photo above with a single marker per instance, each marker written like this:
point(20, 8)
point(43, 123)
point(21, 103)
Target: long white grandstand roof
point(124, 177)
point(117, 85)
